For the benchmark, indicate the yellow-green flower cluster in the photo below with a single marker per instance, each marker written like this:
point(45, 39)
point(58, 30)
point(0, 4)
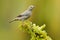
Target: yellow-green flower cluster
point(36, 32)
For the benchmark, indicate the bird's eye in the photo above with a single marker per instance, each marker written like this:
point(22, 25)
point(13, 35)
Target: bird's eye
point(31, 7)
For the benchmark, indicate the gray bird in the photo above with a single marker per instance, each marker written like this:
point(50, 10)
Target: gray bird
point(25, 15)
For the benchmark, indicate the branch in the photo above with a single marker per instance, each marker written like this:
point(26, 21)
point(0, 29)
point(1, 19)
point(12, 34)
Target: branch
point(36, 32)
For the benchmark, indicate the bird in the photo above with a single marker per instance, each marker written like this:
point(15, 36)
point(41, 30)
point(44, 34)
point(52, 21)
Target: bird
point(24, 15)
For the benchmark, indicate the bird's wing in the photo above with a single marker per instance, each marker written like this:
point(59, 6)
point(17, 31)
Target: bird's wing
point(25, 13)
point(22, 14)
point(19, 15)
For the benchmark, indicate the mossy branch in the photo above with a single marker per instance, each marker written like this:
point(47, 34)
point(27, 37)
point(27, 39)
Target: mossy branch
point(36, 32)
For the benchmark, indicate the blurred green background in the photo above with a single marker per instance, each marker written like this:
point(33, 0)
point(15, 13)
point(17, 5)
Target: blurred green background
point(45, 12)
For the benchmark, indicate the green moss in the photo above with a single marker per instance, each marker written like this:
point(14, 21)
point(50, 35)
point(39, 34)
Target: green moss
point(36, 32)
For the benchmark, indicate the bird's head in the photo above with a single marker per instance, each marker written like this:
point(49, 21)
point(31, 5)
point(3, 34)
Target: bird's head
point(31, 7)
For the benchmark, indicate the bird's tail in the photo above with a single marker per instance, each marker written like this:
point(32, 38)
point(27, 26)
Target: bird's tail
point(13, 20)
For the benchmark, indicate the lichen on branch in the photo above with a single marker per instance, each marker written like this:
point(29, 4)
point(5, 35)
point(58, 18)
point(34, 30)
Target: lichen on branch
point(36, 32)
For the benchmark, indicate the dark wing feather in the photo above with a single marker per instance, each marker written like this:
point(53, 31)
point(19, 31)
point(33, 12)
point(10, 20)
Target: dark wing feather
point(19, 15)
